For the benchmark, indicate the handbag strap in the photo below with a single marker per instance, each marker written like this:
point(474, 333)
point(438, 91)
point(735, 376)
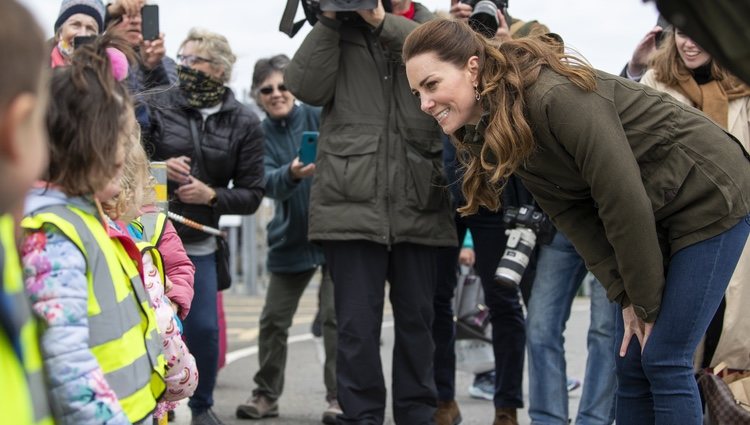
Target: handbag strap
point(195, 135)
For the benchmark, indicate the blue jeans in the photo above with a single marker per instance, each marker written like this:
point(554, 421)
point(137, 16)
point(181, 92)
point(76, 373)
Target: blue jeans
point(202, 331)
point(560, 271)
point(658, 386)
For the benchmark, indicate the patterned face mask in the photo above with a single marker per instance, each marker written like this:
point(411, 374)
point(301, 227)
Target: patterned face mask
point(199, 88)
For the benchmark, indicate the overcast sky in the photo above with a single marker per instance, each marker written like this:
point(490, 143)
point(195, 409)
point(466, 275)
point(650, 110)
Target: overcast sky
point(603, 31)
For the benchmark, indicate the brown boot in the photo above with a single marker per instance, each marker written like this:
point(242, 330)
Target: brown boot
point(505, 416)
point(447, 413)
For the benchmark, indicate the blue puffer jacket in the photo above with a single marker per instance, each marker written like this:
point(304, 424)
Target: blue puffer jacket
point(289, 251)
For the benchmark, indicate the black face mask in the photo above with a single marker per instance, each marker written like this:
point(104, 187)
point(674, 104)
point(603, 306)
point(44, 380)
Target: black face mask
point(199, 88)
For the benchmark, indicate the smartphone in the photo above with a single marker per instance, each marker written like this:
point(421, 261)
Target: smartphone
point(308, 147)
point(150, 22)
point(82, 40)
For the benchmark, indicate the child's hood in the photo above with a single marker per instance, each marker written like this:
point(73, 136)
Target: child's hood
point(43, 196)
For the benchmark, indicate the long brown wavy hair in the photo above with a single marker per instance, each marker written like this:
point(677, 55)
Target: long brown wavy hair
point(87, 119)
point(670, 69)
point(505, 71)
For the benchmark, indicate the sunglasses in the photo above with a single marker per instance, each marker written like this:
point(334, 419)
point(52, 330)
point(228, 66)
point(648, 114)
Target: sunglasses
point(269, 89)
point(191, 60)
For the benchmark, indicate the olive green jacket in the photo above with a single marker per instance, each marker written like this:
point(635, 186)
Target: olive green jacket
point(379, 168)
point(631, 176)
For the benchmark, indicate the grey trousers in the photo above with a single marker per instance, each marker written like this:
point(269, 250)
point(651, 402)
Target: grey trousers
point(282, 300)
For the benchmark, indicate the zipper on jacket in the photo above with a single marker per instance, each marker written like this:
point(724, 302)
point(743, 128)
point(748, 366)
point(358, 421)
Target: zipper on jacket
point(384, 70)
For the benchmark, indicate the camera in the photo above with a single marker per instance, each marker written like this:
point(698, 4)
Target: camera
point(483, 18)
point(345, 12)
point(525, 224)
point(345, 9)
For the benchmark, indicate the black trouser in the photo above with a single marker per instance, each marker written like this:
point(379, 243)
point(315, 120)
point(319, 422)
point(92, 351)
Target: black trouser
point(359, 270)
point(506, 314)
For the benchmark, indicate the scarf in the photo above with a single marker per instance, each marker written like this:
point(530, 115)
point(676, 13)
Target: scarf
point(61, 54)
point(713, 96)
point(201, 91)
point(409, 13)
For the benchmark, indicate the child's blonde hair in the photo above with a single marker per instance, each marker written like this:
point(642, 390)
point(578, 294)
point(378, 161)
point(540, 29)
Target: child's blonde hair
point(136, 185)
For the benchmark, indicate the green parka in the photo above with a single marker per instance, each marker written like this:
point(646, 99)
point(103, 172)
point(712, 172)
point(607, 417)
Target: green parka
point(631, 176)
point(379, 168)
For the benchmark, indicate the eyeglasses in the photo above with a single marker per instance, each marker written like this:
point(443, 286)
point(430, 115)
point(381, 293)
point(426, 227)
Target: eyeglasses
point(191, 60)
point(269, 89)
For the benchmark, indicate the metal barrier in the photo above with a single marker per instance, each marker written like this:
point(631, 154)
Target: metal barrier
point(246, 236)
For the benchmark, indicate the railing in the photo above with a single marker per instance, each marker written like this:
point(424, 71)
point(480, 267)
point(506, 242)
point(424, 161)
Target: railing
point(247, 249)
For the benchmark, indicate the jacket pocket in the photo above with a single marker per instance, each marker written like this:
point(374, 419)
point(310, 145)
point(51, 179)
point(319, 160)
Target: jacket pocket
point(426, 188)
point(663, 171)
point(347, 170)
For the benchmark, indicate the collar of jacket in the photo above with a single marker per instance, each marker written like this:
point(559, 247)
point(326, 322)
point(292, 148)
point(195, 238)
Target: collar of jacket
point(284, 122)
point(473, 138)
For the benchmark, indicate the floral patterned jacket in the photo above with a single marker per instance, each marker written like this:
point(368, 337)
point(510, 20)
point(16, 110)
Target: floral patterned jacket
point(55, 279)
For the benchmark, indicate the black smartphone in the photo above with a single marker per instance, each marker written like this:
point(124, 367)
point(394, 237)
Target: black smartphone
point(82, 40)
point(150, 22)
point(308, 147)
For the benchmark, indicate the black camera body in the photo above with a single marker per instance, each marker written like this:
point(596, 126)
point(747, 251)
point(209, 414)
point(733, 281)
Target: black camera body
point(345, 9)
point(526, 225)
point(526, 216)
point(483, 18)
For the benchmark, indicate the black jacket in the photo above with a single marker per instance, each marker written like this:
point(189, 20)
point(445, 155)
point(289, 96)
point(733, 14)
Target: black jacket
point(232, 148)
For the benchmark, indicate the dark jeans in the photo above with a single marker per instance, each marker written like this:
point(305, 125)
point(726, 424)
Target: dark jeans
point(359, 270)
point(202, 331)
point(658, 386)
point(506, 315)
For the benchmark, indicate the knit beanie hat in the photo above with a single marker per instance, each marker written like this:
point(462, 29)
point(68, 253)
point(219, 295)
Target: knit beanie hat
point(93, 8)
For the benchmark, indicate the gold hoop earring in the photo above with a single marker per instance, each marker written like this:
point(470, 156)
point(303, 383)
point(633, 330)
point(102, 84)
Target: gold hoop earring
point(477, 95)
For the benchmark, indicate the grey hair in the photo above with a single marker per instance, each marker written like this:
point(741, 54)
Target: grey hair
point(215, 47)
point(264, 68)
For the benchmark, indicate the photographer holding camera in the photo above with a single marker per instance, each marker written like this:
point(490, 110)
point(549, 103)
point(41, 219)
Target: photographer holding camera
point(378, 203)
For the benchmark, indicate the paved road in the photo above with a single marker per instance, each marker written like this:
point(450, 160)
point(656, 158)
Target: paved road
point(303, 398)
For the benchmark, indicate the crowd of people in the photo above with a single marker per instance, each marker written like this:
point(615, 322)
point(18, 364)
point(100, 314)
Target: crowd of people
point(429, 129)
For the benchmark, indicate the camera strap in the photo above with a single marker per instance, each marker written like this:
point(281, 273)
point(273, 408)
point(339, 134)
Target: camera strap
point(287, 24)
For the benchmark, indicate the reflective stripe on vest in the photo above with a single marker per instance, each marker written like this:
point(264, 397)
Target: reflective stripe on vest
point(152, 226)
point(27, 327)
point(122, 325)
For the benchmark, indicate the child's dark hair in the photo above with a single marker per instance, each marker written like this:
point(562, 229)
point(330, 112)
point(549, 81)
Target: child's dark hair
point(86, 119)
point(22, 50)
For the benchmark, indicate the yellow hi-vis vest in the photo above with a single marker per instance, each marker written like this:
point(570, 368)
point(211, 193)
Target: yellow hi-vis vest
point(152, 226)
point(122, 326)
point(23, 392)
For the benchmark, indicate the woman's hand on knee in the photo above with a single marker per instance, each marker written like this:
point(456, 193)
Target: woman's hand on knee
point(633, 326)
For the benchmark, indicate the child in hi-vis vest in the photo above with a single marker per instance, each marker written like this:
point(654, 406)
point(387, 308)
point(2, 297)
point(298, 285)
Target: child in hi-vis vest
point(136, 190)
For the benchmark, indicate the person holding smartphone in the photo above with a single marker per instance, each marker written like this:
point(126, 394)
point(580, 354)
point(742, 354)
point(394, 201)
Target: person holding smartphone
point(207, 138)
point(77, 19)
point(292, 260)
point(154, 67)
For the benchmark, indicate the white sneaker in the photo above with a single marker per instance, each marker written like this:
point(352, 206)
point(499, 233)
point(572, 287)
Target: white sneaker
point(333, 410)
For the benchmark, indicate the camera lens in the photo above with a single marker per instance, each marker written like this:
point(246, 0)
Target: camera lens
point(483, 18)
point(518, 249)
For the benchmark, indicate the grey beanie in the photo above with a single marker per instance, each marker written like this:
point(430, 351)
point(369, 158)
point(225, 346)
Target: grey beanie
point(93, 8)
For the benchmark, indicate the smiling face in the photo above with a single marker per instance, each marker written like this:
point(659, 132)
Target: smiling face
point(445, 91)
point(277, 103)
point(690, 53)
point(77, 25)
